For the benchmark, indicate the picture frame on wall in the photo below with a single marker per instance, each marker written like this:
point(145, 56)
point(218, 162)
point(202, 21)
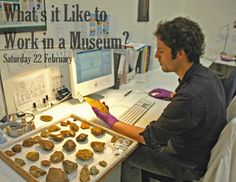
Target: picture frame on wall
point(143, 10)
point(22, 16)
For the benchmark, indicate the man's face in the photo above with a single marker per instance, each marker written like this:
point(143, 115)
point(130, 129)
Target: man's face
point(163, 54)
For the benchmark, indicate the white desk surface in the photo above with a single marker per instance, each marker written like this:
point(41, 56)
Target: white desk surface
point(117, 103)
point(227, 63)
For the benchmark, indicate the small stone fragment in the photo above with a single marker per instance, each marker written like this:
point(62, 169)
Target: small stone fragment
point(28, 142)
point(81, 137)
point(36, 172)
point(84, 174)
point(103, 163)
point(10, 153)
point(94, 170)
point(46, 163)
point(57, 157)
point(20, 161)
point(69, 145)
point(33, 156)
point(56, 175)
point(17, 148)
point(69, 166)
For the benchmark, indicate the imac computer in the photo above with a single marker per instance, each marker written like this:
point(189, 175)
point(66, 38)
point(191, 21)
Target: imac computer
point(91, 71)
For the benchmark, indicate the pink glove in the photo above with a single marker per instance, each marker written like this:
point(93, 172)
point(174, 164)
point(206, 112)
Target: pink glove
point(106, 117)
point(160, 93)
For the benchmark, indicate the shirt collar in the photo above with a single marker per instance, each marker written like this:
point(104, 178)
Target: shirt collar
point(188, 75)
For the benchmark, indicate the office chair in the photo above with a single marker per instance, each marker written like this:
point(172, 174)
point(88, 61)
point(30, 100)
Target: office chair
point(230, 87)
point(231, 109)
point(222, 163)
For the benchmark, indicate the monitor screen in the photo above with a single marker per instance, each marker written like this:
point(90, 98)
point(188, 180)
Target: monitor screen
point(92, 65)
point(91, 71)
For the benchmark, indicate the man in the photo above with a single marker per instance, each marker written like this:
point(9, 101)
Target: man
point(191, 123)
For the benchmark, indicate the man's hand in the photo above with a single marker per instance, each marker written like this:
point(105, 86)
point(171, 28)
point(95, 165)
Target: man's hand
point(106, 117)
point(161, 93)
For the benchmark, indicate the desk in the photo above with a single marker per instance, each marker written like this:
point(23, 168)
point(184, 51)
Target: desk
point(227, 63)
point(224, 67)
point(117, 102)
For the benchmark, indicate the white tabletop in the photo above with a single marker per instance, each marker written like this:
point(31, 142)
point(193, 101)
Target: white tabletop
point(117, 103)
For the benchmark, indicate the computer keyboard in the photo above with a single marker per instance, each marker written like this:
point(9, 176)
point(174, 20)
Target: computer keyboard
point(136, 111)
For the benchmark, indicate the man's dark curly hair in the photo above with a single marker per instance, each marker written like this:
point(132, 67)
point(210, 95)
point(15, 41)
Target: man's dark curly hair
point(182, 34)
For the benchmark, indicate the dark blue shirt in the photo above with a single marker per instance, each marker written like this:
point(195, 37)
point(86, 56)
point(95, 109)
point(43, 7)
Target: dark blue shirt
point(193, 119)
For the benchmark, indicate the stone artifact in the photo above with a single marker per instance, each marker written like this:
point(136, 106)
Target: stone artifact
point(10, 153)
point(36, 172)
point(84, 174)
point(84, 154)
point(103, 163)
point(64, 123)
point(46, 145)
point(69, 145)
point(57, 157)
point(45, 133)
point(33, 156)
point(56, 175)
point(97, 131)
point(46, 163)
point(84, 125)
point(93, 170)
point(74, 127)
point(46, 118)
point(68, 133)
point(98, 146)
point(81, 137)
point(54, 128)
point(69, 166)
point(29, 142)
point(36, 139)
point(57, 137)
point(20, 161)
point(17, 148)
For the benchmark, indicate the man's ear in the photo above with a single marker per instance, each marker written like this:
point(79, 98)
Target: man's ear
point(181, 53)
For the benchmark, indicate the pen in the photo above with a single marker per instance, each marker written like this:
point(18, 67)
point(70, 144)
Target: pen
point(127, 93)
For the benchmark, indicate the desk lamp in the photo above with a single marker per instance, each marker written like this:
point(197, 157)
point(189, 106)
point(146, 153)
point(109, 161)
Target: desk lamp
point(223, 55)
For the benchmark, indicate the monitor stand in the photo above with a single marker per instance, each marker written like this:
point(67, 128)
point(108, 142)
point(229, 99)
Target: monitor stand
point(96, 96)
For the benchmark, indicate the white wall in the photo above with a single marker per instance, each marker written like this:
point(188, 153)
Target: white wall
point(124, 13)
point(211, 15)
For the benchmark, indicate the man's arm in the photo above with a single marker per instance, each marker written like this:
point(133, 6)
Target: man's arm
point(129, 131)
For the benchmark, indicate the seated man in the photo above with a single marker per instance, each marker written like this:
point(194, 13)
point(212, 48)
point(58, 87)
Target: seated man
point(191, 123)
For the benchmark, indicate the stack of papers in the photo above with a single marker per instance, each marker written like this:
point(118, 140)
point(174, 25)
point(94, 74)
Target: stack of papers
point(135, 46)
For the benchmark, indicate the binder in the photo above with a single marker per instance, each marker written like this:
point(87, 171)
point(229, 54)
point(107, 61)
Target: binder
point(119, 61)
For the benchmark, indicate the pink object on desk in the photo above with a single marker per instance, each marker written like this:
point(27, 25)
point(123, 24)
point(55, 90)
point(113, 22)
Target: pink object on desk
point(225, 57)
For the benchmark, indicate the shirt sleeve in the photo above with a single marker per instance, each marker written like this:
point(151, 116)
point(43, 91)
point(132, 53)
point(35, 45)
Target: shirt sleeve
point(178, 117)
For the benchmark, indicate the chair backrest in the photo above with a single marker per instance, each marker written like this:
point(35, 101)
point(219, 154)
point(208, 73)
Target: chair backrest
point(231, 109)
point(222, 163)
point(230, 87)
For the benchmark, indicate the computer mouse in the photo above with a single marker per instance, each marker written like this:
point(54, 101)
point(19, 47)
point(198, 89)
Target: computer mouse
point(153, 94)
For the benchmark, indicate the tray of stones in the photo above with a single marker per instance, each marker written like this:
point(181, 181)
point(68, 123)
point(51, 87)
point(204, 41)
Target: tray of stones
point(71, 149)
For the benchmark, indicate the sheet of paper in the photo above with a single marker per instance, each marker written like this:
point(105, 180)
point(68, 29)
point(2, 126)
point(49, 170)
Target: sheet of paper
point(30, 88)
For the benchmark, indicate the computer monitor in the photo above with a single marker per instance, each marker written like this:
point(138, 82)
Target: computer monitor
point(91, 71)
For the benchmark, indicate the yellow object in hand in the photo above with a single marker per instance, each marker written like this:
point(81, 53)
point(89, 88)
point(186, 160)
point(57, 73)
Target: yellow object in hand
point(97, 104)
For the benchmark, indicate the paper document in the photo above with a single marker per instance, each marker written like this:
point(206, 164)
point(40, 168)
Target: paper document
point(135, 46)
